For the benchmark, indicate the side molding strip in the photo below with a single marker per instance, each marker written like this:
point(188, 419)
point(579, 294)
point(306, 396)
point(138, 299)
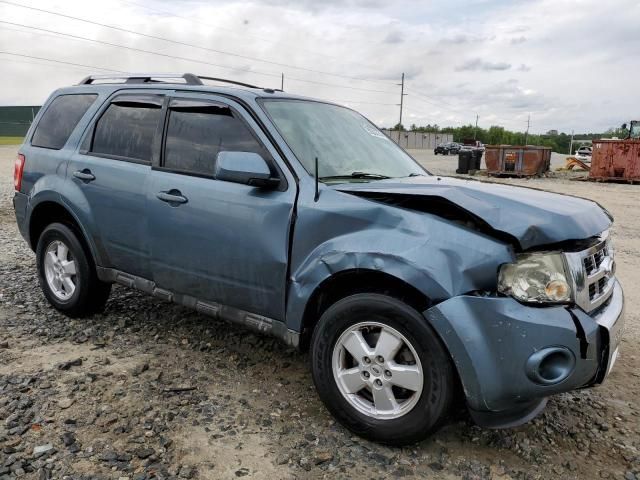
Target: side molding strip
point(253, 321)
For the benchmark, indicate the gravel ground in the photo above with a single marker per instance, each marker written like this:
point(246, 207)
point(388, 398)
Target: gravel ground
point(151, 390)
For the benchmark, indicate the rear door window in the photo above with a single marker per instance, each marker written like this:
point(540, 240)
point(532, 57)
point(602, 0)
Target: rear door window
point(127, 128)
point(59, 120)
point(197, 131)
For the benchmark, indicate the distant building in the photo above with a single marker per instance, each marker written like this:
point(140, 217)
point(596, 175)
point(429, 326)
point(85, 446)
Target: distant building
point(418, 140)
point(15, 121)
point(552, 132)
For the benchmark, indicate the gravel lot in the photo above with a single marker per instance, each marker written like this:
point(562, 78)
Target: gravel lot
point(150, 390)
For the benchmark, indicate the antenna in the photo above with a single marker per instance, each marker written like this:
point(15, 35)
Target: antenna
point(317, 195)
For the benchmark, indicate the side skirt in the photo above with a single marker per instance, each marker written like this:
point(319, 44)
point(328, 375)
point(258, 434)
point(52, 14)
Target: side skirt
point(253, 321)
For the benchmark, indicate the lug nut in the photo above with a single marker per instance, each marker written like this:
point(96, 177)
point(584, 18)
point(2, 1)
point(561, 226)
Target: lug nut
point(380, 359)
point(366, 360)
point(387, 373)
point(366, 374)
point(379, 382)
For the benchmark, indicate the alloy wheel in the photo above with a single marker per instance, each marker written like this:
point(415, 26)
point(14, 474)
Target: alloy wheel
point(377, 370)
point(60, 270)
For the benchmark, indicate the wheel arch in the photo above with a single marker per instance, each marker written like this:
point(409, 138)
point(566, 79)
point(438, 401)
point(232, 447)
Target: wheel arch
point(47, 212)
point(349, 282)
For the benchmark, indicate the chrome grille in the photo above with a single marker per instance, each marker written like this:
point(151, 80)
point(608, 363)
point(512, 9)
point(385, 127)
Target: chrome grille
point(592, 262)
point(592, 273)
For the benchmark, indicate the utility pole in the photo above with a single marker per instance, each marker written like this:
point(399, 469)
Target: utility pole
point(526, 134)
point(571, 143)
point(282, 83)
point(402, 94)
point(475, 132)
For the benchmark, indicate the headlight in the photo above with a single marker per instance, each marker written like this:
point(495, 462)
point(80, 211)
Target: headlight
point(536, 278)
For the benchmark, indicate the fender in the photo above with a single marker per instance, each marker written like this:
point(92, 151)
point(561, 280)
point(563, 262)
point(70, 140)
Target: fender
point(345, 232)
point(74, 202)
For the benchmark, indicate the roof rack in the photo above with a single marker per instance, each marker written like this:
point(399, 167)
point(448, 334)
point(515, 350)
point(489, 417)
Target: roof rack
point(189, 79)
point(224, 80)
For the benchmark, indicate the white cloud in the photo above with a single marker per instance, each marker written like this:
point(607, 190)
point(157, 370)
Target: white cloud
point(476, 64)
point(552, 59)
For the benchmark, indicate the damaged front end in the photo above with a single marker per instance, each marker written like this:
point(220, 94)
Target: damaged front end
point(557, 328)
point(510, 357)
point(451, 240)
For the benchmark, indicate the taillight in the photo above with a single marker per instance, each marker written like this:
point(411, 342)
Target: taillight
point(18, 169)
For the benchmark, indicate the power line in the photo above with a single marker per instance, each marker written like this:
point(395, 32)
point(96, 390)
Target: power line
point(140, 50)
point(430, 98)
point(366, 103)
point(194, 60)
point(450, 108)
point(460, 110)
point(62, 62)
point(337, 85)
point(177, 42)
point(235, 32)
point(119, 71)
point(42, 64)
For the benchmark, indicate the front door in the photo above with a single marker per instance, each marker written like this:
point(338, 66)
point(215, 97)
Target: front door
point(210, 239)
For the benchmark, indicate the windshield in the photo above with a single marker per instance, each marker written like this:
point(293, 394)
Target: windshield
point(347, 145)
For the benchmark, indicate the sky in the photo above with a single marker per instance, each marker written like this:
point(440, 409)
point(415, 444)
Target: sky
point(561, 64)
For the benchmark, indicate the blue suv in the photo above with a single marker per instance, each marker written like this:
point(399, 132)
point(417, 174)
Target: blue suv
point(298, 218)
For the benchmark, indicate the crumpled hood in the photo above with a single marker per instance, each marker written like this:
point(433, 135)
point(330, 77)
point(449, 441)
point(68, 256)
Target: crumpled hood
point(533, 217)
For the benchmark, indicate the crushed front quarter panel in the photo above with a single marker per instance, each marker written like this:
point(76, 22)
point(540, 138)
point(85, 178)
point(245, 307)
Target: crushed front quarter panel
point(533, 217)
point(343, 232)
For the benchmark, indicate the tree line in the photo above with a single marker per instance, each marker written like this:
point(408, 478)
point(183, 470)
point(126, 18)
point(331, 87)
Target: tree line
point(497, 135)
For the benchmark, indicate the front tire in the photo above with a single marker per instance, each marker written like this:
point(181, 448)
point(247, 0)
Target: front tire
point(381, 370)
point(67, 273)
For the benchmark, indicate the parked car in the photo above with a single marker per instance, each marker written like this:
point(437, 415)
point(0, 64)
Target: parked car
point(447, 148)
point(300, 219)
point(584, 154)
point(473, 145)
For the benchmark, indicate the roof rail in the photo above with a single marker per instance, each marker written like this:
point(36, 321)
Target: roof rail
point(189, 78)
point(227, 81)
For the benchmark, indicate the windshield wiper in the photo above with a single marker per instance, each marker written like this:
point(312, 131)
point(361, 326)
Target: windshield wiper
point(375, 176)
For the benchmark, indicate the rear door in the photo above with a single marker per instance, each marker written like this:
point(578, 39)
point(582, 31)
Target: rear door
point(112, 169)
point(224, 242)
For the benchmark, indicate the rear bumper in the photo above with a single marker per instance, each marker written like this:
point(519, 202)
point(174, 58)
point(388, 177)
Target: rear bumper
point(20, 203)
point(499, 348)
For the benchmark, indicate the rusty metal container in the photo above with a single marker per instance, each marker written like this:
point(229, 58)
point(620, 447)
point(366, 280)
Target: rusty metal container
point(515, 160)
point(615, 160)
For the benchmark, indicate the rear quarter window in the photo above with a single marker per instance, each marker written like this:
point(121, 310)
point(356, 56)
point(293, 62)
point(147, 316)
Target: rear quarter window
point(59, 120)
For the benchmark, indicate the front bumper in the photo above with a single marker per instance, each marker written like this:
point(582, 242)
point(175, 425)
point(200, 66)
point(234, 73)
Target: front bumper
point(492, 341)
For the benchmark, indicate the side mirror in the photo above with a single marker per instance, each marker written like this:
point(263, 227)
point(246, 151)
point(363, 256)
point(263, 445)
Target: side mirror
point(248, 168)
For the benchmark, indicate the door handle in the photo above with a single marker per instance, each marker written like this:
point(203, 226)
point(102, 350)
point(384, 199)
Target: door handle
point(85, 175)
point(172, 197)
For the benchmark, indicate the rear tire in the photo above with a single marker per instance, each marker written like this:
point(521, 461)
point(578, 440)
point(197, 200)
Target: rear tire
point(67, 273)
point(407, 414)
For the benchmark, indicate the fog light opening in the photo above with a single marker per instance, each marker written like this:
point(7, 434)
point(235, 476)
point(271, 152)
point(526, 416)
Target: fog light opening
point(550, 365)
point(554, 366)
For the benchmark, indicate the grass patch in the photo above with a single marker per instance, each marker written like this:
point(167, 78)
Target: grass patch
point(11, 140)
